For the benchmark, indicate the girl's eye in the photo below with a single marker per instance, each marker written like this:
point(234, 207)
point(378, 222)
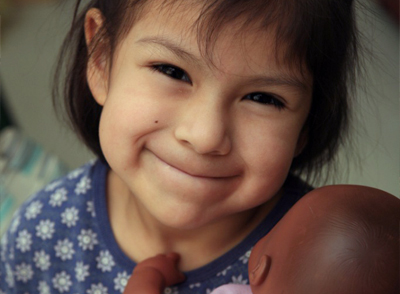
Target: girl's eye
point(265, 98)
point(173, 72)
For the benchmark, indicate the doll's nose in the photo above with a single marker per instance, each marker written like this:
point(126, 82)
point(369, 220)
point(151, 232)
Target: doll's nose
point(203, 126)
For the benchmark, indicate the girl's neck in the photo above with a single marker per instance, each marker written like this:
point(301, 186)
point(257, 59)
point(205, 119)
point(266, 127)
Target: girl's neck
point(140, 236)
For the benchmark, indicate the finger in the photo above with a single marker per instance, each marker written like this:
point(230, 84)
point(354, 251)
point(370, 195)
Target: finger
point(175, 278)
point(182, 277)
point(173, 256)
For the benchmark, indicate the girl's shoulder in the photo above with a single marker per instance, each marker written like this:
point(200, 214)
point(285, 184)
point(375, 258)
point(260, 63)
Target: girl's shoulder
point(60, 192)
point(51, 227)
point(59, 196)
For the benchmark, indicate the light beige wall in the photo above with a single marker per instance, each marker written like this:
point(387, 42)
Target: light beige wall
point(376, 131)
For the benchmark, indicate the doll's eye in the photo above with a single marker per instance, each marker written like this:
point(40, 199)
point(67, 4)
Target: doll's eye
point(265, 98)
point(172, 71)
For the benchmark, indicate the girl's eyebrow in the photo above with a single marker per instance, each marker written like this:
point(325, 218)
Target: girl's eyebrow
point(279, 79)
point(176, 50)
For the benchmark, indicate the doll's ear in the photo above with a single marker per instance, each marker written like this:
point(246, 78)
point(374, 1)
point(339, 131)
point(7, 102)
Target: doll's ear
point(259, 274)
point(97, 70)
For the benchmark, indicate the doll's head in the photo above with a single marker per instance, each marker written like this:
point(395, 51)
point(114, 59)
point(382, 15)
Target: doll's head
point(319, 37)
point(337, 239)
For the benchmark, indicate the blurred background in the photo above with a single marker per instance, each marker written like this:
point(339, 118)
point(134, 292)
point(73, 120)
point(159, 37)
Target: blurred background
point(31, 35)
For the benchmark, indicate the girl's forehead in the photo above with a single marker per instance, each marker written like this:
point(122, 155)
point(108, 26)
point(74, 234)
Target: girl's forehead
point(182, 27)
point(188, 21)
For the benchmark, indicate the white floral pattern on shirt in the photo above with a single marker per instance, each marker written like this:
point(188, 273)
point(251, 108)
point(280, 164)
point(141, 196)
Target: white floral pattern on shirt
point(24, 241)
point(58, 197)
point(43, 288)
point(245, 258)
point(62, 282)
point(15, 223)
point(64, 249)
point(87, 239)
point(45, 229)
point(53, 185)
point(33, 210)
point(42, 260)
point(239, 280)
point(121, 281)
point(9, 276)
point(97, 289)
point(23, 272)
point(76, 173)
point(90, 208)
point(105, 261)
point(83, 186)
point(70, 216)
point(81, 271)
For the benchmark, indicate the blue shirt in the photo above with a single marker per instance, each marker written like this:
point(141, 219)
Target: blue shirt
point(60, 241)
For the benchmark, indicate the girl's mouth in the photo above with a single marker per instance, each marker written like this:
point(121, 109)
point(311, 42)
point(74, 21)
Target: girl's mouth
point(193, 169)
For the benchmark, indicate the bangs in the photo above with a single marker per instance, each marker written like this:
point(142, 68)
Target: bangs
point(289, 21)
point(308, 34)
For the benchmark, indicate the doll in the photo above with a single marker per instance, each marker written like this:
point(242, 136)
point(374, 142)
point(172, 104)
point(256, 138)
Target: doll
point(336, 239)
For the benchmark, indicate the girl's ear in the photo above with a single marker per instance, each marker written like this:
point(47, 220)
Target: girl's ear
point(302, 141)
point(97, 70)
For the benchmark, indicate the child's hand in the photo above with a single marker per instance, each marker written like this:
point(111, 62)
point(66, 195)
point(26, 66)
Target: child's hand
point(166, 265)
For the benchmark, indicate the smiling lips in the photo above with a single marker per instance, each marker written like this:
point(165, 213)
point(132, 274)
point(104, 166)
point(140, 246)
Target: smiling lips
point(192, 170)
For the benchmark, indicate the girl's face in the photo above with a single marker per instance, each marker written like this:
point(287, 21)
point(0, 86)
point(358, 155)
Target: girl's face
point(193, 142)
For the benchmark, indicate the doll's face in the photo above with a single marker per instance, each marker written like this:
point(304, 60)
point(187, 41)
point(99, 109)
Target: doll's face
point(194, 142)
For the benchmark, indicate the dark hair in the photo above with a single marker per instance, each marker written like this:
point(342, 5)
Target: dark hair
point(320, 36)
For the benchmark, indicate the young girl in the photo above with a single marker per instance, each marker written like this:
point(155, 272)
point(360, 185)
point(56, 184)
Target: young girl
point(201, 114)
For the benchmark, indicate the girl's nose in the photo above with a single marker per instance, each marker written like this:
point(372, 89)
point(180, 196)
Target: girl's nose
point(203, 127)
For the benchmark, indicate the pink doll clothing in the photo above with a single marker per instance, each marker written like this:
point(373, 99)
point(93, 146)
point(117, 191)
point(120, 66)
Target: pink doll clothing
point(232, 289)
